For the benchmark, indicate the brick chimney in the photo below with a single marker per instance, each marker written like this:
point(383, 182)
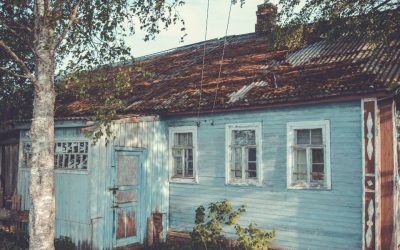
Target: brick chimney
point(266, 18)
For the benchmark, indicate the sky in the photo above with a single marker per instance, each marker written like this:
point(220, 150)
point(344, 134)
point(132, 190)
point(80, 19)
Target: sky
point(194, 13)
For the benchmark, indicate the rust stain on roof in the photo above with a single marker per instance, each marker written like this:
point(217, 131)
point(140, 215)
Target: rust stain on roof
point(252, 74)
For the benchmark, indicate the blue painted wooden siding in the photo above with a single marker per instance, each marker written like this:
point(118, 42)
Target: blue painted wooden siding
point(72, 192)
point(83, 202)
point(303, 219)
point(144, 135)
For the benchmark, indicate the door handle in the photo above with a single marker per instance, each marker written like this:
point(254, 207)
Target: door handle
point(113, 188)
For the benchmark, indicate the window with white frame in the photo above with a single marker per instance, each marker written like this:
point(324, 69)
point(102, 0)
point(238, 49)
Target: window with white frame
point(309, 155)
point(182, 141)
point(243, 153)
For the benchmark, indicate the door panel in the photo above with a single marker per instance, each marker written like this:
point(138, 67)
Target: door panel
point(126, 196)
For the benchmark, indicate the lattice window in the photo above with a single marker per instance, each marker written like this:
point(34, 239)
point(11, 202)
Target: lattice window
point(67, 155)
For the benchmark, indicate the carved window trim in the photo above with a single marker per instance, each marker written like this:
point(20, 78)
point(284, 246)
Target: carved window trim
point(291, 144)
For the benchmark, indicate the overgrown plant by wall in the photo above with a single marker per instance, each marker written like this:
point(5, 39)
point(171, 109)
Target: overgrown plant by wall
point(208, 231)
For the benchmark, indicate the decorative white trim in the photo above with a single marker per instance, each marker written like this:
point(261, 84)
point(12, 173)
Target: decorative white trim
point(183, 129)
point(370, 136)
point(257, 126)
point(370, 223)
point(326, 135)
point(363, 174)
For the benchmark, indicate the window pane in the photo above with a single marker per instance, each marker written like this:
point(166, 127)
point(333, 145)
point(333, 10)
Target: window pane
point(317, 155)
point(303, 136)
point(178, 165)
point(189, 162)
point(317, 172)
point(300, 166)
point(183, 139)
point(177, 154)
point(244, 137)
point(189, 169)
point(252, 170)
point(316, 136)
point(301, 156)
point(237, 162)
point(252, 154)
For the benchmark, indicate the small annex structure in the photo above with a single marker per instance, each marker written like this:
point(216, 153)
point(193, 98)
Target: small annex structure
point(305, 139)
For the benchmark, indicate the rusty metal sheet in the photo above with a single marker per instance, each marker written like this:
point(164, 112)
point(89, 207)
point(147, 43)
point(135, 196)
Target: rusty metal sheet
point(322, 69)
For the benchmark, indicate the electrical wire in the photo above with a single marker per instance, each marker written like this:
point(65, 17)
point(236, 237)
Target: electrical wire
point(202, 68)
point(222, 58)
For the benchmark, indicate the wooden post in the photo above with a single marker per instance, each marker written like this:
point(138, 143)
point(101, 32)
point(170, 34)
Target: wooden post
point(386, 174)
point(150, 232)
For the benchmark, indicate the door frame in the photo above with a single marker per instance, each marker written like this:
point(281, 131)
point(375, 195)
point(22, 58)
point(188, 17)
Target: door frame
point(142, 153)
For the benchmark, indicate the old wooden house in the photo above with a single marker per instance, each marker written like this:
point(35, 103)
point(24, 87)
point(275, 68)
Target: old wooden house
point(304, 139)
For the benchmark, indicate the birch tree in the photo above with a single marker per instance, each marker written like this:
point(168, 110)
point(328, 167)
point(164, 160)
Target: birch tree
point(35, 37)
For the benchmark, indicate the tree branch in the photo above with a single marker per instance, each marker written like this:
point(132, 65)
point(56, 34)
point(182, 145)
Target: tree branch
point(8, 71)
point(18, 60)
point(71, 21)
point(18, 35)
point(381, 4)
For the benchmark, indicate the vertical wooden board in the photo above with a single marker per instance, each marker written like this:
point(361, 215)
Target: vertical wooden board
point(122, 134)
point(120, 230)
point(386, 173)
point(15, 168)
point(130, 218)
point(129, 135)
point(135, 134)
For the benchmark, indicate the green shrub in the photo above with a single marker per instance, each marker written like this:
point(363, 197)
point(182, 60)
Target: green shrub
point(254, 238)
point(207, 233)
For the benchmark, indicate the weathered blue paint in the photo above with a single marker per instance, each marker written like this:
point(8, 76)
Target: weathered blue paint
point(303, 219)
point(83, 201)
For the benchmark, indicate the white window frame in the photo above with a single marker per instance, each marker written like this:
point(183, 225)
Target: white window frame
point(183, 129)
point(325, 126)
point(228, 154)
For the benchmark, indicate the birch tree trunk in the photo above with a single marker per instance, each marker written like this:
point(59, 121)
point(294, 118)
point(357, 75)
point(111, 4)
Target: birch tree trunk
point(42, 213)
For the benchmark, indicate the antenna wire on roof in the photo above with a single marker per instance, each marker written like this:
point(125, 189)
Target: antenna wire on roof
point(222, 58)
point(202, 68)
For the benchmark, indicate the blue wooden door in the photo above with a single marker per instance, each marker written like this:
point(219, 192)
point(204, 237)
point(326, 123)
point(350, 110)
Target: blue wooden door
point(127, 184)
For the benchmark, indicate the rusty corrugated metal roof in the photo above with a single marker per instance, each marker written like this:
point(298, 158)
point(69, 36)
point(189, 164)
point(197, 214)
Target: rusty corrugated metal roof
point(254, 74)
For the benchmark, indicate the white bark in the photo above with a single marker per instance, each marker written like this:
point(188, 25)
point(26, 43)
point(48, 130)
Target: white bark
point(42, 213)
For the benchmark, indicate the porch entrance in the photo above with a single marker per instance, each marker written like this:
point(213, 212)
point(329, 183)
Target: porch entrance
point(126, 194)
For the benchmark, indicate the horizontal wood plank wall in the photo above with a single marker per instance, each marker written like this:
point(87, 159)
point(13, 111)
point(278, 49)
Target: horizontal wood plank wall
point(303, 219)
point(386, 173)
